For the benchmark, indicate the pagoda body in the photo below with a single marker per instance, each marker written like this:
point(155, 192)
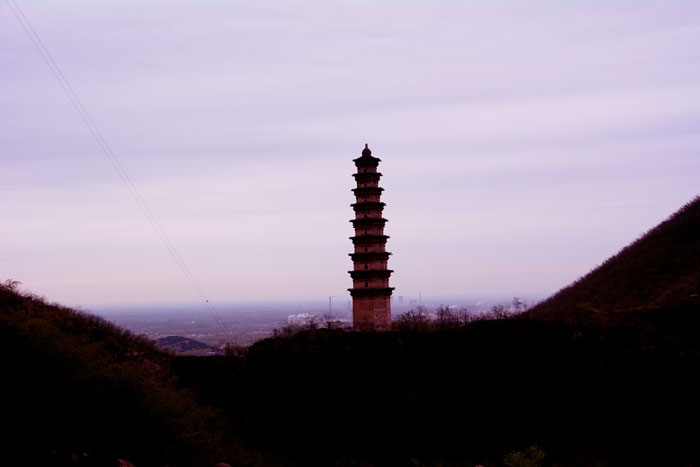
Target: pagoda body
point(371, 294)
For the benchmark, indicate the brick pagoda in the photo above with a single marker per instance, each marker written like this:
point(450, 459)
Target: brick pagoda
point(371, 294)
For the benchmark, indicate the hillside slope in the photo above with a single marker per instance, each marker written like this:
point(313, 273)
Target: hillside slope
point(660, 269)
point(77, 385)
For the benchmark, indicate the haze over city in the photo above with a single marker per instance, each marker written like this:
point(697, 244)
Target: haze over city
point(522, 143)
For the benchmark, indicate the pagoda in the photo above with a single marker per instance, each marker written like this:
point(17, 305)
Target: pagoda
point(371, 294)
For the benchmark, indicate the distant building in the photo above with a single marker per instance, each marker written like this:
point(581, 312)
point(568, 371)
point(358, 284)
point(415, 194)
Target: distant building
point(371, 304)
point(301, 319)
point(400, 300)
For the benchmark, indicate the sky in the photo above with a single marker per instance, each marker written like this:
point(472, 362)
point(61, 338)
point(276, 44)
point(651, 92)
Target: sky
point(522, 142)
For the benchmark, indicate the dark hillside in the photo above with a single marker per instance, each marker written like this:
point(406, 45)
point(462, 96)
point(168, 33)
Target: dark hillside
point(662, 268)
point(620, 394)
point(76, 385)
point(587, 395)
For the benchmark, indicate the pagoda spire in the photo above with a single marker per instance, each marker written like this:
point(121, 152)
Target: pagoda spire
point(371, 294)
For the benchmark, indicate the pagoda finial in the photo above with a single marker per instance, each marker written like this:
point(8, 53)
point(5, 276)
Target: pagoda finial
point(366, 151)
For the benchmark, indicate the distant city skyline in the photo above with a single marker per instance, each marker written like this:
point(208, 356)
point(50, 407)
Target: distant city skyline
point(522, 143)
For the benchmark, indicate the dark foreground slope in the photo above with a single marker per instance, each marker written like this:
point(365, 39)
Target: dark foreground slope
point(586, 395)
point(660, 269)
point(77, 390)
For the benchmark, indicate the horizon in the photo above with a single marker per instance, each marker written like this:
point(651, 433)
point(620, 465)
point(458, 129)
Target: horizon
point(321, 303)
point(522, 144)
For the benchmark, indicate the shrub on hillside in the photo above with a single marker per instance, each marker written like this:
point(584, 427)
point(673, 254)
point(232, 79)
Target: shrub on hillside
point(75, 383)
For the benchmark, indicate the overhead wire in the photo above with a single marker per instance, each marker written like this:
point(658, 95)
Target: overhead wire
point(111, 156)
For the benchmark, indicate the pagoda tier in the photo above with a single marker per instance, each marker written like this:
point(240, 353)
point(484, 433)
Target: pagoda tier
point(371, 283)
point(368, 195)
point(370, 291)
point(367, 179)
point(370, 265)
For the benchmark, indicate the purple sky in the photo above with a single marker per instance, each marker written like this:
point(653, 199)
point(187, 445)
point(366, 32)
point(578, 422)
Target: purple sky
point(522, 143)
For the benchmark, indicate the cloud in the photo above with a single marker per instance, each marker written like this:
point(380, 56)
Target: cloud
point(519, 140)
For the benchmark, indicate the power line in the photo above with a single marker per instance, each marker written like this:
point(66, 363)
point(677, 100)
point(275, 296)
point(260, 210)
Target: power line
point(113, 159)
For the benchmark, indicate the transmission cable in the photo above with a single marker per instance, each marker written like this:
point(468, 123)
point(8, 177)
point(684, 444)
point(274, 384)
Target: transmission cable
point(111, 156)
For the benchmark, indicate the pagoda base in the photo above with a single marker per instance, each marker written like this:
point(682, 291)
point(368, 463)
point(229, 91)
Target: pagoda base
point(371, 313)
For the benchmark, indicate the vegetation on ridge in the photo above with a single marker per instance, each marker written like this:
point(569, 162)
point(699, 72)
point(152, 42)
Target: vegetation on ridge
point(584, 394)
point(659, 269)
point(76, 385)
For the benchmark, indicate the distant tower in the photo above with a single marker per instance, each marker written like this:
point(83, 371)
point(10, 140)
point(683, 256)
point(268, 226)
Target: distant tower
point(371, 305)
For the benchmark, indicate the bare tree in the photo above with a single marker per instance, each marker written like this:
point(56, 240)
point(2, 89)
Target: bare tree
point(329, 320)
point(446, 318)
point(412, 321)
point(500, 311)
point(10, 284)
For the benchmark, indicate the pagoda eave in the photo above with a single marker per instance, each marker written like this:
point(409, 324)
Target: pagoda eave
point(368, 190)
point(371, 273)
point(368, 175)
point(365, 239)
point(368, 205)
point(378, 292)
point(368, 221)
point(365, 160)
point(369, 256)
